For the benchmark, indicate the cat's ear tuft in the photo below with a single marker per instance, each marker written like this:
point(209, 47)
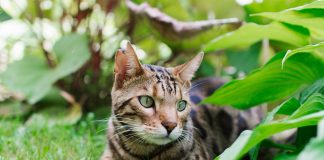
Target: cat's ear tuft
point(186, 71)
point(127, 64)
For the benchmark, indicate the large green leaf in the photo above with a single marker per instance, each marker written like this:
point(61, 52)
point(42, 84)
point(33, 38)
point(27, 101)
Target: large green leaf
point(270, 6)
point(315, 49)
point(270, 82)
point(248, 139)
point(29, 77)
point(310, 16)
point(246, 59)
point(34, 79)
point(251, 33)
point(72, 51)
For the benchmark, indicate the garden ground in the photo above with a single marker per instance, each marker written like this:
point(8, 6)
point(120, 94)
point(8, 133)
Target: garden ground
point(44, 140)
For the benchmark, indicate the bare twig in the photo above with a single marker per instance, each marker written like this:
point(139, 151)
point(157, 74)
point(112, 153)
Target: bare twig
point(172, 28)
point(67, 96)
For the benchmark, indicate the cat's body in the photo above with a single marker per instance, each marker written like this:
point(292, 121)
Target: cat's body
point(155, 116)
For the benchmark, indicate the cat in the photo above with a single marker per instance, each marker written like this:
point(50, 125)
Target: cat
point(155, 113)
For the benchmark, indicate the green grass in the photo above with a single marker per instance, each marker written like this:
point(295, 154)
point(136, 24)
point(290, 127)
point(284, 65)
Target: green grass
point(41, 140)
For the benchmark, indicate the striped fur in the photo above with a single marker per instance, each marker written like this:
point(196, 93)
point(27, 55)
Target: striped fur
point(134, 132)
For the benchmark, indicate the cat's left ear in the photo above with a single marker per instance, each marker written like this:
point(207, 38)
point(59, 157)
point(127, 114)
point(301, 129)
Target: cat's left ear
point(127, 65)
point(186, 71)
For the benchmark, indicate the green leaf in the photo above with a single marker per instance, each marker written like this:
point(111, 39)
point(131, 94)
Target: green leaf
point(245, 60)
point(34, 79)
point(72, 51)
point(285, 156)
point(3, 15)
point(317, 4)
point(317, 87)
point(314, 105)
point(251, 33)
point(28, 76)
point(309, 48)
point(248, 139)
point(304, 135)
point(270, 6)
point(270, 82)
point(289, 107)
point(310, 16)
point(286, 108)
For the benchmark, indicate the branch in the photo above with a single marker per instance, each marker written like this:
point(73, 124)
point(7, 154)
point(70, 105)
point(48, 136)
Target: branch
point(172, 28)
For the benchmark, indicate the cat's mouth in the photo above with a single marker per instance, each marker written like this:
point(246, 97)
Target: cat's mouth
point(159, 140)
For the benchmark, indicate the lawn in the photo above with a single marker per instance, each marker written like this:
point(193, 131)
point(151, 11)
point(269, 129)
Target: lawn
point(40, 139)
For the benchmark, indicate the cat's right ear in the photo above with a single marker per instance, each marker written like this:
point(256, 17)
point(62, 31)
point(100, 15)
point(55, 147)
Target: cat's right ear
point(127, 65)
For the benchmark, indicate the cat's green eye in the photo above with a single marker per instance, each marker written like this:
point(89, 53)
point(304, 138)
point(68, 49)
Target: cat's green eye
point(181, 105)
point(146, 101)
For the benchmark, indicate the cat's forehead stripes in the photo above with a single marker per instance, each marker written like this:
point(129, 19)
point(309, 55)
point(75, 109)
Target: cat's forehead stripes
point(164, 78)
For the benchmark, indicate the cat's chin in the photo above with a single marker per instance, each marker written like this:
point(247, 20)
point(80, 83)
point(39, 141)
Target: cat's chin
point(159, 141)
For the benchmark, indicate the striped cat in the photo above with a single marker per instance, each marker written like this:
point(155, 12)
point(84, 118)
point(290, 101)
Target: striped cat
point(154, 115)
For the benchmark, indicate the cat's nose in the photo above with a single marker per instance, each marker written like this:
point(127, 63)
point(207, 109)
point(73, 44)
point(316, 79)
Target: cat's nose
point(169, 126)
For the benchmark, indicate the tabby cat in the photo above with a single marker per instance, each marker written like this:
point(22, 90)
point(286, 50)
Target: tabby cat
point(154, 115)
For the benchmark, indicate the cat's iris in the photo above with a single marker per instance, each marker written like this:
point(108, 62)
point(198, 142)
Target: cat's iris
point(181, 105)
point(146, 101)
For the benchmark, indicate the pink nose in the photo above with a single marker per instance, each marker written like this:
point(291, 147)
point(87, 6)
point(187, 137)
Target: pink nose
point(169, 126)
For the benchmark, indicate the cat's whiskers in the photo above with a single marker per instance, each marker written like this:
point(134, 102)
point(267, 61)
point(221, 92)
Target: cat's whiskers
point(129, 124)
point(120, 131)
point(203, 82)
point(194, 86)
point(135, 137)
point(137, 129)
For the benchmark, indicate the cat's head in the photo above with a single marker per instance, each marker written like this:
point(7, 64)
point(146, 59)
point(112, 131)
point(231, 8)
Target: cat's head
point(150, 101)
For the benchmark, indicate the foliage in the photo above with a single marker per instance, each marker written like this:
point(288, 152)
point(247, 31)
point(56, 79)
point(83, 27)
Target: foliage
point(56, 63)
point(251, 33)
point(271, 82)
point(41, 78)
point(307, 114)
point(285, 75)
point(309, 16)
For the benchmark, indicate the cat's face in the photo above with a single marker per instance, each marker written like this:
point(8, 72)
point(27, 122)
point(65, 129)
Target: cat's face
point(151, 102)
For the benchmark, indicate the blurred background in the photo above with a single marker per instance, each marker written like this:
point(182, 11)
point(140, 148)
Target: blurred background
point(57, 56)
